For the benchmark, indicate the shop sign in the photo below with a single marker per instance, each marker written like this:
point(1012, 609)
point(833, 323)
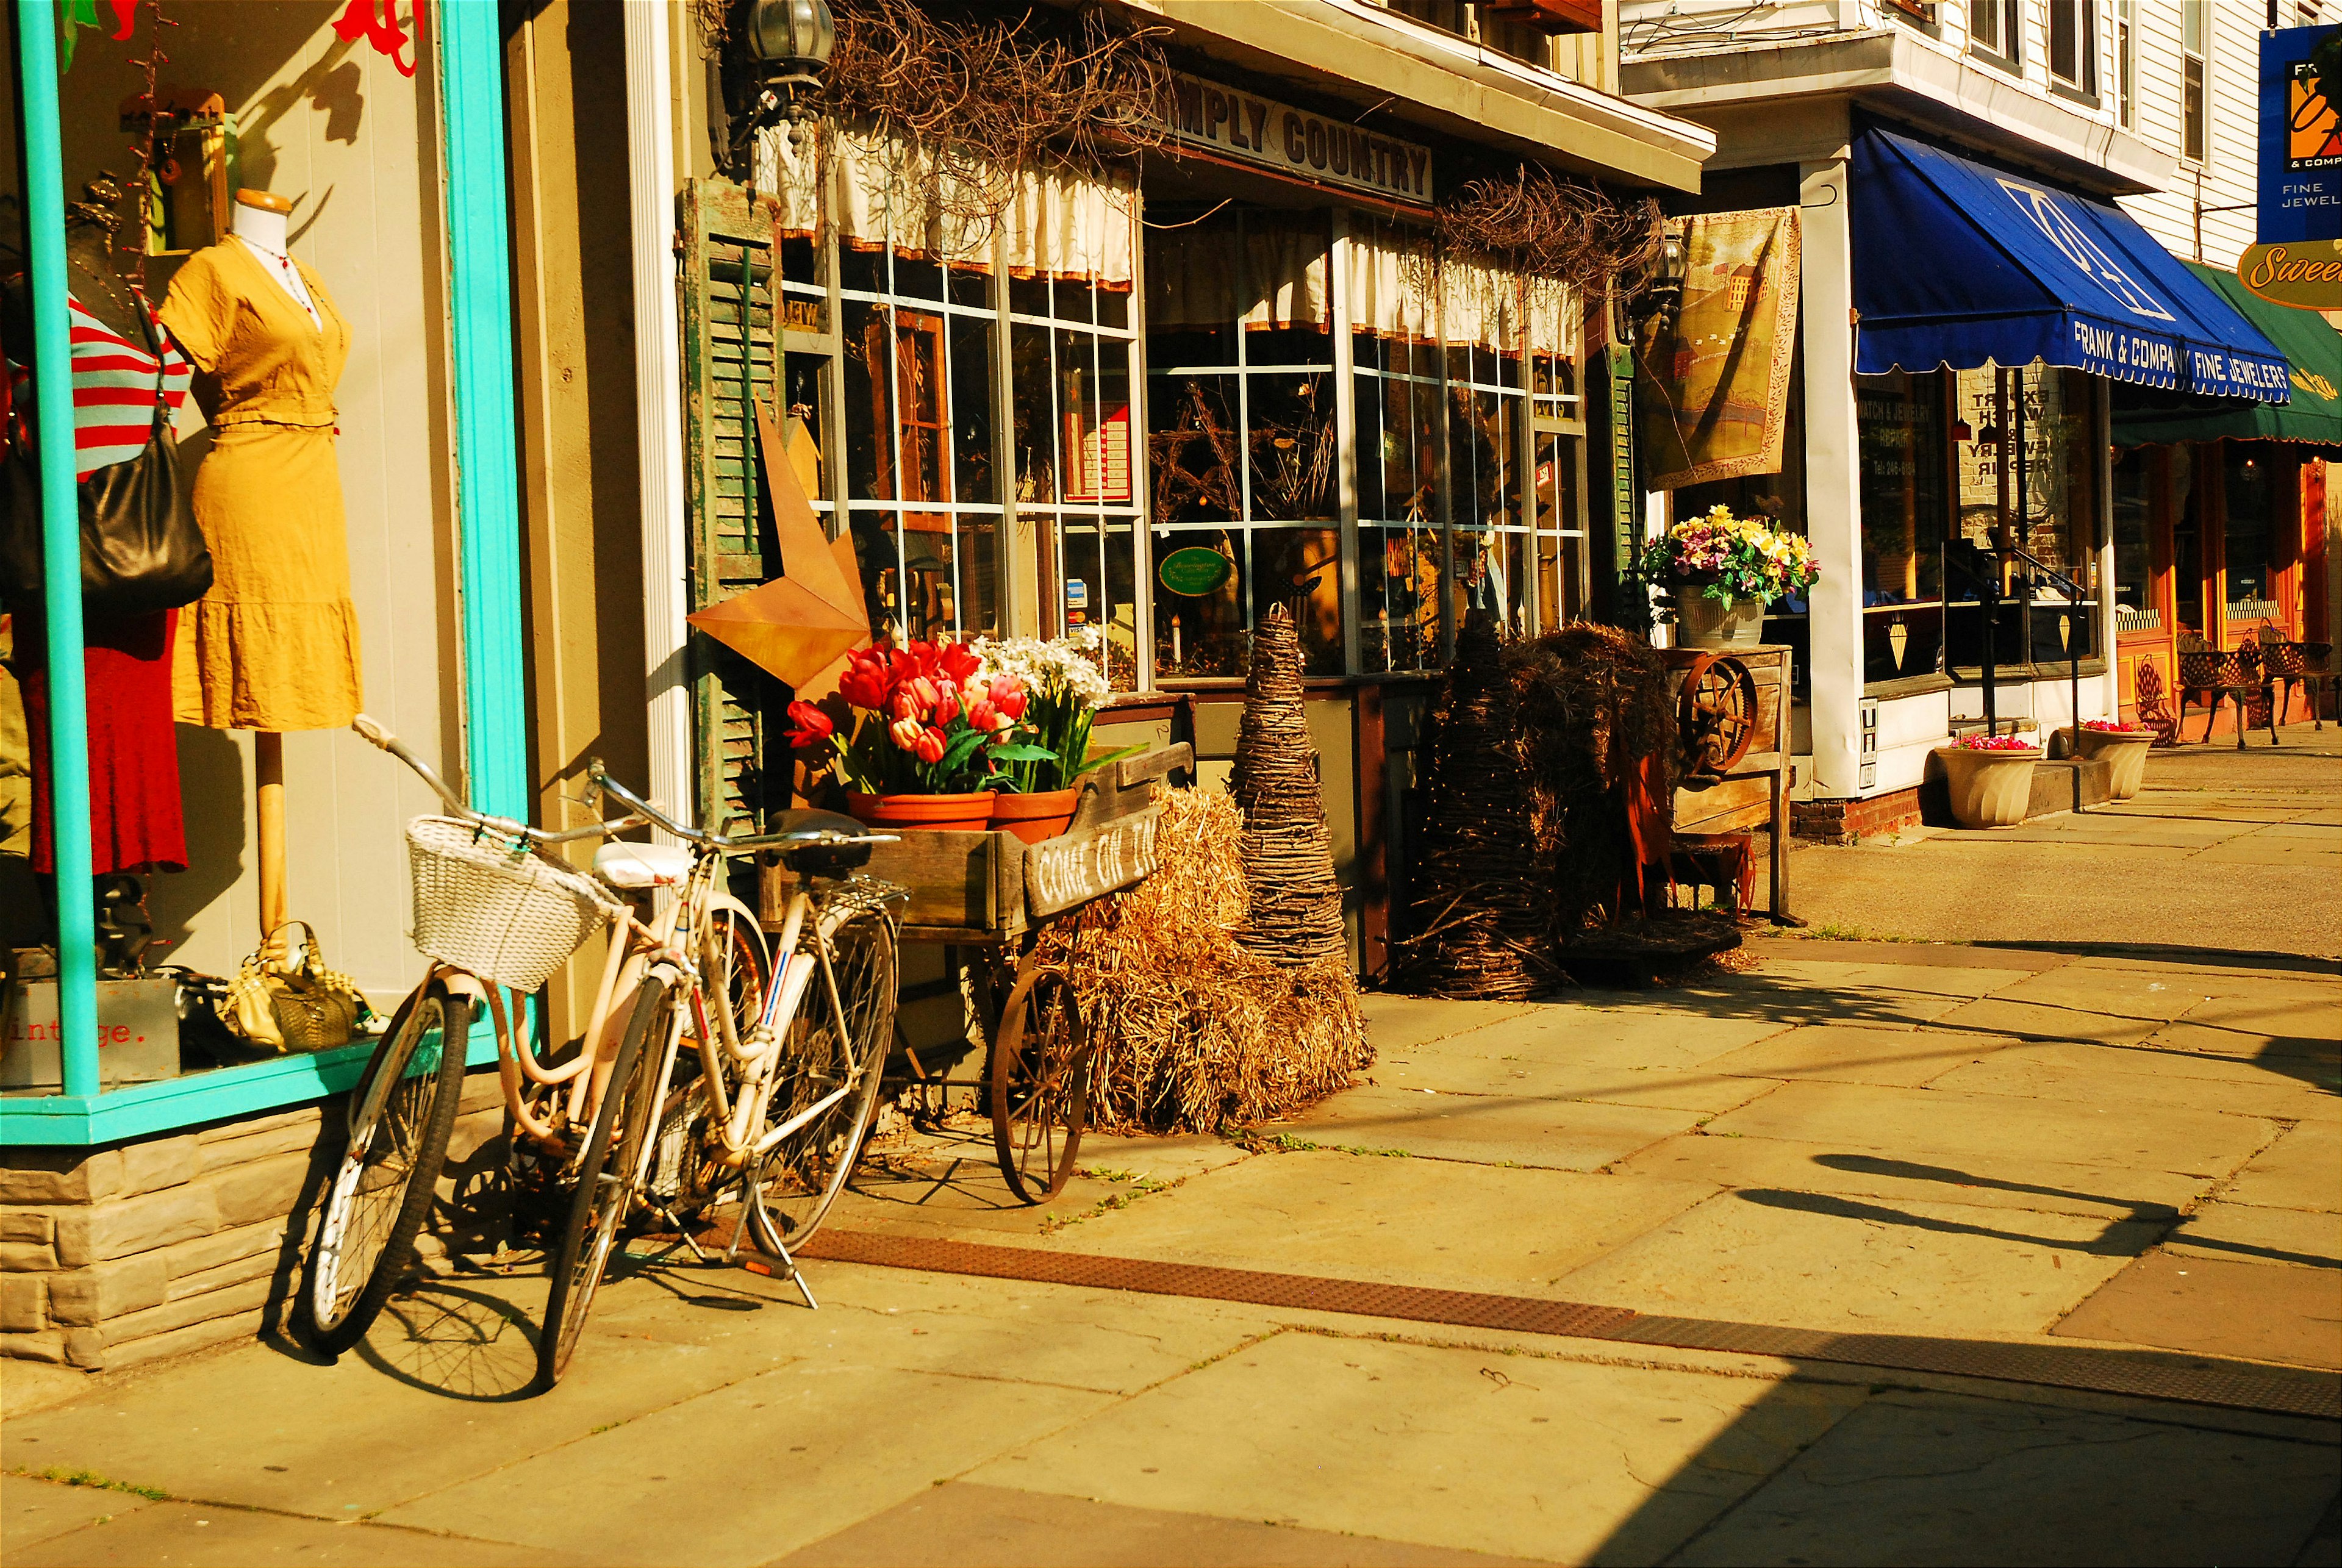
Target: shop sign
point(1196, 573)
point(2301, 136)
point(2306, 275)
point(1295, 143)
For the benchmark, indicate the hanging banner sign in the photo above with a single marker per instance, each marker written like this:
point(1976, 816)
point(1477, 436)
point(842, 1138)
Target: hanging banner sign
point(2306, 276)
point(2301, 136)
point(1251, 129)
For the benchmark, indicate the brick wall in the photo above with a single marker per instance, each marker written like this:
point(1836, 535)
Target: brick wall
point(114, 1255)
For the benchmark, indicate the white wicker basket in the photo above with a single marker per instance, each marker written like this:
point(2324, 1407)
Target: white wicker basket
point(494, 908)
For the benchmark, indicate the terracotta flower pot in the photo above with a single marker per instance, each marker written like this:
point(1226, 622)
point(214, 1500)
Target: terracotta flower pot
point(1989, 789)
point(941, 812)
point(1034, 817)
point(2124, 751)
point(1703, 623)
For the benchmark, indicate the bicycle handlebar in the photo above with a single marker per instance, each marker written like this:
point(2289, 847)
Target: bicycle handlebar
point(598, 780)
point(372, 731)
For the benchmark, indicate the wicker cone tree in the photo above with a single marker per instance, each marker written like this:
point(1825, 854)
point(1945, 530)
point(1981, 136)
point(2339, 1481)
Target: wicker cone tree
point(1481, 916)
point(1294, 906)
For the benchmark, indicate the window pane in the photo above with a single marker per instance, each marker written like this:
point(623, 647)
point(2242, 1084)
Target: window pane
point(1033, 414)
point(1291, 438)
point(1300, 568)
point(2251, 508)
point(1192, 448)
point(976, 548)
point(2134, 555)
point(976, 474)
point(1200, 634)
point(869, 403)
point(1398, 579)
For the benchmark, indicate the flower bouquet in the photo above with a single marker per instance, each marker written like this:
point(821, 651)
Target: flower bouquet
point(919, 736)
point(1719, 572)
point(1064, 688)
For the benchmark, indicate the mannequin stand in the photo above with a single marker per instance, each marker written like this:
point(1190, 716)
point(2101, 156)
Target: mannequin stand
point(268, 774)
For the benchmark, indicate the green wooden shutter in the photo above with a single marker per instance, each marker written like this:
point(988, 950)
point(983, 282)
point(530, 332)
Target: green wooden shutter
point(727, 278)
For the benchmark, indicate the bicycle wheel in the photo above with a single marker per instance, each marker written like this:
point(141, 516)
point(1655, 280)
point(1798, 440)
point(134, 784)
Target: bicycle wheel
point(608, 1173)
point(821, 1054)
point(1040, 1084)
point(401, 1113)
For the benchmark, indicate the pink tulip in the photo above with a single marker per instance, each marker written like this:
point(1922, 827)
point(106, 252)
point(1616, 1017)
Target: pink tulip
point(1008, 696)
point(983, 715)
point(946, 706)
point(905, 733)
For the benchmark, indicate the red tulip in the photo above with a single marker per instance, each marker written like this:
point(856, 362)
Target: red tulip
point(959, 661)
point(814, 727)
point(930, 749)
point(922, 691)
point(904, 706)
point(1007, 694)
point(946, 706)
point(983, 715)
point(866, 682)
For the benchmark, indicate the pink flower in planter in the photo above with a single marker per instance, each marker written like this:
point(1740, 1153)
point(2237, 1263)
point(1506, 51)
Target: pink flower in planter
point(1996, 744)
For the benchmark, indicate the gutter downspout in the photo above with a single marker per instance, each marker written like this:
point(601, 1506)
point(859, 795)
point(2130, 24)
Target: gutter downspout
point(44, 211)
point(659, 401)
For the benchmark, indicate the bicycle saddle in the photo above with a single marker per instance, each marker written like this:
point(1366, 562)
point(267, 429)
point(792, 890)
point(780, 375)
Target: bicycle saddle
point(625, 864)
point(813, 857)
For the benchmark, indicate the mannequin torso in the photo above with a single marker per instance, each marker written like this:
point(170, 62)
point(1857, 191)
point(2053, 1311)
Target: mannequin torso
point(264, 229)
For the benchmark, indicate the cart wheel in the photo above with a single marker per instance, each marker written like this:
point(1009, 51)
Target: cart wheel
point(1040, 1084)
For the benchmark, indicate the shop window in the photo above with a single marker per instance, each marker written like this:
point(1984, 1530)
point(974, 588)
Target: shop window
point(922, 496)
point(2186, 493)
point(1070, 372)
point(1488, 420)
point(2027, 458)
point(1240, 432)
point(2135, 609)
point(1899, 433)
point(2248, 534)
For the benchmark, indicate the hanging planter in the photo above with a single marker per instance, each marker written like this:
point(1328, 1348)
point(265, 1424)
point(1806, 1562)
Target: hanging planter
point(2123, 748)
point(1990, 779)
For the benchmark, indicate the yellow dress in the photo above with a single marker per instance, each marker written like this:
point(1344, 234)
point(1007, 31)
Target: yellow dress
point(275, 644)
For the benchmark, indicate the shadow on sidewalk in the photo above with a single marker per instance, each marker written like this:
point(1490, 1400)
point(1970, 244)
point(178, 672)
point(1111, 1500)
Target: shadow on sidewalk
point(2168, 953)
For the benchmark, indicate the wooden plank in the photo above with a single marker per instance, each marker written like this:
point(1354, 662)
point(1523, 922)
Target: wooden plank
point(1154, 763)
point(1061, 873)
point(1727, 807)
point(954, 878)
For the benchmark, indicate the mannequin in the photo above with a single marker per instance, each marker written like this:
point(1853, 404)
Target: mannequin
point(275, 645)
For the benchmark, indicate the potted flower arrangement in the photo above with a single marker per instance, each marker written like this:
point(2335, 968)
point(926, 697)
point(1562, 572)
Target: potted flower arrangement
point(919, 736)
point(1719, 572)
point(1064, 688)
point(1990, 778)
point(2123, 747)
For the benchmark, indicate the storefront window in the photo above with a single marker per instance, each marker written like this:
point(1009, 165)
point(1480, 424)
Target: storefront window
point(1487, 416)
point(2134, 606)
point(2186, 540)
point(2247, 534)
point(2026, 457)
point(1241, 441)
point(1899, 425)
point(922, 494)
point(1396, 360)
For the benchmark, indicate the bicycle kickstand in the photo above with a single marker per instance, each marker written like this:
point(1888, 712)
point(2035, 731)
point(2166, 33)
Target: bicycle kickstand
point(788, 1269)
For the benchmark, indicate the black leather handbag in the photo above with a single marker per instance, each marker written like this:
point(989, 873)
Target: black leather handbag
point(141, 550)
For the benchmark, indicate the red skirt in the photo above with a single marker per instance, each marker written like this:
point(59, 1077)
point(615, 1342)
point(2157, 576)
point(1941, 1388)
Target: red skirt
point(134, 752)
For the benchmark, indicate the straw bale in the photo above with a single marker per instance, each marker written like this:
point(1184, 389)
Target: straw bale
point(1193, 1031)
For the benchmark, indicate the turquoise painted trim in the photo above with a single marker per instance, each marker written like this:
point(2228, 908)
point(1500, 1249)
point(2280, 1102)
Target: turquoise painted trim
point(37, 30)
point(471, 72)
point(471, 58)
point(140, 1110)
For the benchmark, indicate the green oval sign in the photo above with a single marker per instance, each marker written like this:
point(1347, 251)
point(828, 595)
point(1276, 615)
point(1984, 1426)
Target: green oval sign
point(1195, 572)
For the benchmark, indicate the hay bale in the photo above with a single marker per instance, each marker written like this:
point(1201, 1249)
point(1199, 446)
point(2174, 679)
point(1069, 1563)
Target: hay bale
point(1193, 1031)
point(1480, 916)
point(1293, 905)
point(1594, 704)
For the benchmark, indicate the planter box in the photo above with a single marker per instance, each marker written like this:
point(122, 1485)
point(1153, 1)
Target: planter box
point(2125, 754)
point(1989, 789)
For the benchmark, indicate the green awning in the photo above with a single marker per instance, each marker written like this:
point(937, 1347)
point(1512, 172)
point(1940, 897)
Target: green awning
point(2143, 417)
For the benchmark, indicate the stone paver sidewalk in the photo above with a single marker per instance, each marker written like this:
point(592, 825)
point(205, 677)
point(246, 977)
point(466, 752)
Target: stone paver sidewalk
point(2124, 1151)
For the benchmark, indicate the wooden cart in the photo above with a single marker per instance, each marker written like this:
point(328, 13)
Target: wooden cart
point(1734, 704)
point(983, 897)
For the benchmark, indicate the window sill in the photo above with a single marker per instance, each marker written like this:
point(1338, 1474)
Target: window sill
point(2073, 94)
point(2019, 674)
point(1983, 56)
point(1907, 686)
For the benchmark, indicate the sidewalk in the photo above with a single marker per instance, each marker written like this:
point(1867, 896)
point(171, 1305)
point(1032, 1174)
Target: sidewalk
point(2099, 1142)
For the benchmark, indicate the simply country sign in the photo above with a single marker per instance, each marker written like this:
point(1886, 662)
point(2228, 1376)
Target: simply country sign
point(1248, 128)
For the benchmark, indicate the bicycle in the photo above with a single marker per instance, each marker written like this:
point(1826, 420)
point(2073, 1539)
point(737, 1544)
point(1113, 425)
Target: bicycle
point(492, 911)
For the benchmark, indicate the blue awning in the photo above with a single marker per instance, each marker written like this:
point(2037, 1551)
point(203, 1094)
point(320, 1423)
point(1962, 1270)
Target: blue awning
point(1958, 263)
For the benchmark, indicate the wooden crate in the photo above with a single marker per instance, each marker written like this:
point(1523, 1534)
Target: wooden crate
point(976, 888)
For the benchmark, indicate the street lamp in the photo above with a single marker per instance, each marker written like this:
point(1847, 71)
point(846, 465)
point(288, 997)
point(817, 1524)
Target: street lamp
point(786, 43)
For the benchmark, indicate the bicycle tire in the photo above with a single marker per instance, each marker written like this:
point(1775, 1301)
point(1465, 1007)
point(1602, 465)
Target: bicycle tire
point(608, 1174)
point(382, 1190)
point(802, 1175)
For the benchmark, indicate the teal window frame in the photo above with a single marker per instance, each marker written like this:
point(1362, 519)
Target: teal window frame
point(488, 499)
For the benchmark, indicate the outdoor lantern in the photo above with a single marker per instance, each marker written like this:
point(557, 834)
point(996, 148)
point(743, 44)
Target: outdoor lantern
point(791, 39)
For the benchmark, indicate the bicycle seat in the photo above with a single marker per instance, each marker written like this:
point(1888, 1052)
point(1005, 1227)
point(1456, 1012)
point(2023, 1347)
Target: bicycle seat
point(813, 857)
point(624, 864)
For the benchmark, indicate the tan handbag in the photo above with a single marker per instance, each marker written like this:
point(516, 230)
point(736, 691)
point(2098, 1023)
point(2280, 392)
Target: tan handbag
point(283, 998)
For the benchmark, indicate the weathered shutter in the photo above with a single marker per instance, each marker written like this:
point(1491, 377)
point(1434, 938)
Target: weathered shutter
point(727, 278)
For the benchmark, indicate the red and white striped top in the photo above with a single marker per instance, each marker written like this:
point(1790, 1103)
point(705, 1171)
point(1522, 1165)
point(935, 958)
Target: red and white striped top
point(113, 389)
